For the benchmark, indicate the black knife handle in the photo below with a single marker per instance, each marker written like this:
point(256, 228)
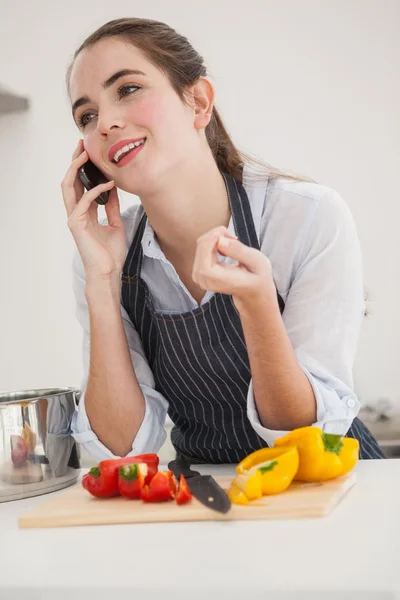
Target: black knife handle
point(180, 466)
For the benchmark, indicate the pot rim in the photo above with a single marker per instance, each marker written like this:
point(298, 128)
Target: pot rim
point(30, 396)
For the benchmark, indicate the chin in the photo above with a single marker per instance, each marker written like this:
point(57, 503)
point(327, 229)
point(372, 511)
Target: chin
point(140, 182)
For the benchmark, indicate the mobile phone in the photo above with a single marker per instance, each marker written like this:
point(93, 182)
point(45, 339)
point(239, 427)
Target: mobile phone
point(91, 176)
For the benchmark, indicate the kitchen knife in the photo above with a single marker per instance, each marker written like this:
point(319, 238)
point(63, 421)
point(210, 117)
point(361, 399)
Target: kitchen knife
point(203, 487)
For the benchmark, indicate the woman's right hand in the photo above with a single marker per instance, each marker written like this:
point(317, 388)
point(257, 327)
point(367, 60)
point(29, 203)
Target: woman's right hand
point(102, 247)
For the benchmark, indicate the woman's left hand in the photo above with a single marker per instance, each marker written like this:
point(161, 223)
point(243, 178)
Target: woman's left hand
point(248, 280)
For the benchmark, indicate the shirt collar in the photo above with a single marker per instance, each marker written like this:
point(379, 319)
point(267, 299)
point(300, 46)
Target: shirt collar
point(150, 245)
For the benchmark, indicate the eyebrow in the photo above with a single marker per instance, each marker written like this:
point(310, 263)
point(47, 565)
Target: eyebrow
point(107, 83)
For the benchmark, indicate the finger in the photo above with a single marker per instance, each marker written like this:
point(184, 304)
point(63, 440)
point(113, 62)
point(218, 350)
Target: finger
point(229, 266)
point(69, 183)
point(215, 233)
point(227, 280)
point(79, 188)
point(251, 258)
point(78, 185)
point(205, 258)
point(72, 172)
point(94, 212)
point(78, 150)
point(206, 250)
point(89, 197)
point(113, 209)
point(222, 278)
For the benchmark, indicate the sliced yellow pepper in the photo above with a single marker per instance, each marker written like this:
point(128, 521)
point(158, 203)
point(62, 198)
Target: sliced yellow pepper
point(236, 495)
point(322, 456)
point(277, 467)
point(250, 484)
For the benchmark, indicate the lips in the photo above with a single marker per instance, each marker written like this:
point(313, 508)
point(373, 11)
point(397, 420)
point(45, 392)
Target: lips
point(119, 145)
point(129, 156)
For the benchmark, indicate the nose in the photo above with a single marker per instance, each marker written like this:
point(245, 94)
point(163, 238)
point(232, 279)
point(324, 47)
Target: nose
point(107, 121)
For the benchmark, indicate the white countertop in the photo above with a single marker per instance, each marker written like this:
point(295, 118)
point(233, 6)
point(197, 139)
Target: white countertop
point(354, 554)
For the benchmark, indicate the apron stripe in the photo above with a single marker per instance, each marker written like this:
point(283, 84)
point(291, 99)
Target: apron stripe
point(214, 376)
point(177, 416)
point(236, 339)
point(190, 392)
point(236, 371)
point(225, 382)
point(369, 448)
point(209, 394)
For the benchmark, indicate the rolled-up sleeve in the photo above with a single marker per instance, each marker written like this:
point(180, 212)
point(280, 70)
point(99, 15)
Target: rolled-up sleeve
point(151, 434)
point(324, 308)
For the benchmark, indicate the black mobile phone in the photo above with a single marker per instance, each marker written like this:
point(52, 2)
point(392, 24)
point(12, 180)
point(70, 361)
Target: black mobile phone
point(91, 176)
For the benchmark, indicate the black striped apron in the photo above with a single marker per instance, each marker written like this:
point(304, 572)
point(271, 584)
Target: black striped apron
point(199, 359)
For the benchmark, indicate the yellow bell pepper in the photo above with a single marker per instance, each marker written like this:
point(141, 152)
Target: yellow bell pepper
point(322, 456)
point(277, 467)
point(249, 483)
point(236, 495)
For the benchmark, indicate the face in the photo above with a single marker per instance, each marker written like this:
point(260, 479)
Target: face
point(115, 109)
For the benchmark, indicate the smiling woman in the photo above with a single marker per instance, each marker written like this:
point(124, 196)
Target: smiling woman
point(230, 298)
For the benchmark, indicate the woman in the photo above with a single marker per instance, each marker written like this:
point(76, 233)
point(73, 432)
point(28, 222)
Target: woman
point(231, 297)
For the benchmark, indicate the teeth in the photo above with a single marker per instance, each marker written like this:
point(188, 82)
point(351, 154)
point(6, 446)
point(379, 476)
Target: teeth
point(126, 149)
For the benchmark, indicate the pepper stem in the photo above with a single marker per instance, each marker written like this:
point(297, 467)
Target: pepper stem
point(332, 442)
point(94, 472)
point(129, 472)
point(268, 467)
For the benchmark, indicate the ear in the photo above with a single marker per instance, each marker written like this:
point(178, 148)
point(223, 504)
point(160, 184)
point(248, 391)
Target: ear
point(203, 95)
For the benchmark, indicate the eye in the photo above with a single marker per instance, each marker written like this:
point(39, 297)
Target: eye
point(124, 90)
point(84, 120)
point(127, 90)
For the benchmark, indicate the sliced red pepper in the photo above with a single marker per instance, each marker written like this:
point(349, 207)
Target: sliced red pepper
point(93, 482)
point(131, 480)
point(112, 466)
point(102, 481)
point(162, 487)
point(183, 494)
point(172, 482)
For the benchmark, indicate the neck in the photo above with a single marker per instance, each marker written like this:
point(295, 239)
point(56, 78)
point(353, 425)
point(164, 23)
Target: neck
point(190, 203)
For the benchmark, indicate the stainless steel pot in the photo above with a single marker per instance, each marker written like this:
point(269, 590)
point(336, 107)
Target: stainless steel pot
point(37, 452)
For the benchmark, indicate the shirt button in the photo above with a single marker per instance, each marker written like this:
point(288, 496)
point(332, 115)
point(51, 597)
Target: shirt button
point(351, 403)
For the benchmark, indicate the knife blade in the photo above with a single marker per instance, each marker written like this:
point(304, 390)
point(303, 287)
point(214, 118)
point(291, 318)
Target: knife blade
point(203, 487)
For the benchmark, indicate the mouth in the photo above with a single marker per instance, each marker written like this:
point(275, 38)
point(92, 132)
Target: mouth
point(126, 153)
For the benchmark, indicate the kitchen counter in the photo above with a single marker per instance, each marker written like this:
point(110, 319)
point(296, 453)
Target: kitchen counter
point(352, 554)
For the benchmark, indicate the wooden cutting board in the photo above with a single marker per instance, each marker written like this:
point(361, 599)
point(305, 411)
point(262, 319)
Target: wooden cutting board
point(76, 507)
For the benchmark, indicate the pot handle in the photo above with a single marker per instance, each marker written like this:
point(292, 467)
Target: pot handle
point(77, 395)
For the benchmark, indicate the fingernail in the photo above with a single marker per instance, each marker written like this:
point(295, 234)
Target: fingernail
point(223, 241)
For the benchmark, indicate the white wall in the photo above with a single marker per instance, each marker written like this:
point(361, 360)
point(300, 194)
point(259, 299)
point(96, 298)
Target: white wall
point(310, 85)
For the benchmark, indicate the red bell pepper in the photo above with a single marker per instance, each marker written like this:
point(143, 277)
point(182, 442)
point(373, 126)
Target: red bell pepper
point(161, 487)
point(112, 466)
point(93, 482)
point(102, 481)
point(131, 480)
point(183, 494)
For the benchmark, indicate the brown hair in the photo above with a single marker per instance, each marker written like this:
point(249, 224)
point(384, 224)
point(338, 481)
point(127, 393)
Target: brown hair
point(174, 55)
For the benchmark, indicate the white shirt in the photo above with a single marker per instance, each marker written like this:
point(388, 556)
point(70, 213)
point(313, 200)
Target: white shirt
point(307, 232)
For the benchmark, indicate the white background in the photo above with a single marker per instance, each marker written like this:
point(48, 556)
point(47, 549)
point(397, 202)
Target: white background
point(309, 85)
